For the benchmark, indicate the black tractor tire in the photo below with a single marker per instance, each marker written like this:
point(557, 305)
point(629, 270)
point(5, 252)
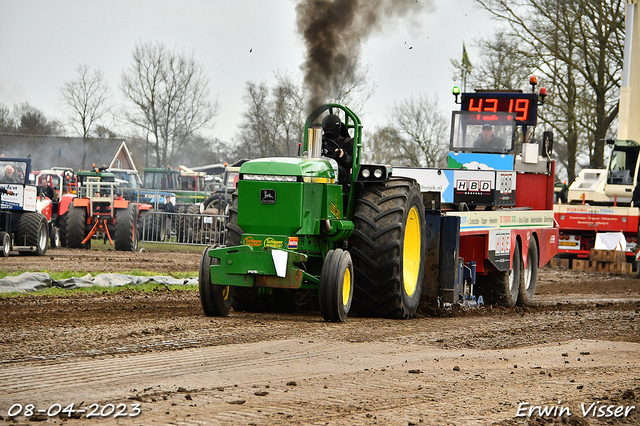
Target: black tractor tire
point(336, 286)
point(76, 227)
point(126, 236)
point(215, 299)
point(388, 249)
point(62, 228)
point(154, 225)
point(529, 277)
point(502, 288)
point(54, 236)
point(234, 232)
point(33, 230)
point(5, 244)
point(216, 201)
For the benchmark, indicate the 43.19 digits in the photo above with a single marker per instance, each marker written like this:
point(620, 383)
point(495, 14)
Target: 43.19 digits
point(94, 410)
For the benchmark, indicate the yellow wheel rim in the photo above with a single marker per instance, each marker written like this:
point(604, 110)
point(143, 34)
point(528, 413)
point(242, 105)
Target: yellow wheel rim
point(411, 252)
point(346, 287)
point(225, 292)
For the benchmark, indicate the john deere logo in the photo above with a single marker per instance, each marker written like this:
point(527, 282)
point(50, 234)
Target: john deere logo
point(268, 196)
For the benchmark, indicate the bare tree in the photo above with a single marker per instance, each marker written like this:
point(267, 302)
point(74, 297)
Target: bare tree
point(6, 122)
point(31, 121)
point(578, 49)
point(350, 86)
point(423, 131)
point(87, 97)
point(169, 91)
point(273, 119)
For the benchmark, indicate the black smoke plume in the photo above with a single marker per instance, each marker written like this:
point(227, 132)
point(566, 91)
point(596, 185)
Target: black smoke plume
point(333, 31)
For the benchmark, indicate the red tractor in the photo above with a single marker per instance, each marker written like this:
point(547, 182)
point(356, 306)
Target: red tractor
point(99, 210)
point(63, 183)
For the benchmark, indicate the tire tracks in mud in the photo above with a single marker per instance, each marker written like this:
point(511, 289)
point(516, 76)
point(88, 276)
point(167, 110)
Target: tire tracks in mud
point(315, 382)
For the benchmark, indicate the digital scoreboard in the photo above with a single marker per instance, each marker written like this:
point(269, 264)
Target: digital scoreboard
point(523, 105)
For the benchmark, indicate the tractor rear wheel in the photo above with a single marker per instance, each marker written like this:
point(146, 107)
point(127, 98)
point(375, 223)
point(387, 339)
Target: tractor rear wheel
point(33, 230)
point(215, 299)
point(529, 275)
point(336, 285)
point(388, 247)
point(76, 224)
point(126, 238)
point(5, 241)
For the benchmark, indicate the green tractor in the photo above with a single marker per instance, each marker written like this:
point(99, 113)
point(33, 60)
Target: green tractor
point(291, 227)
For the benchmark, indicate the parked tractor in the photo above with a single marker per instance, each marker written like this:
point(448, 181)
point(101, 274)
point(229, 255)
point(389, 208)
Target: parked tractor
point(64, 184)
point(23, 226)
point(292, 227)
point(99, 210)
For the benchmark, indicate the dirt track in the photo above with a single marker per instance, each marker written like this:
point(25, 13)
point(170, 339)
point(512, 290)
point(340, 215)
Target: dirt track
point(580, 345)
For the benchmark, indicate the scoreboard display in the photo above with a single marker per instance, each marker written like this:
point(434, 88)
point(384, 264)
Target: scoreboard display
point(523, 105)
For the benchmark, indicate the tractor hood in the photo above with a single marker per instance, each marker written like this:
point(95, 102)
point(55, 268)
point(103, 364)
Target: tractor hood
point(308, 169)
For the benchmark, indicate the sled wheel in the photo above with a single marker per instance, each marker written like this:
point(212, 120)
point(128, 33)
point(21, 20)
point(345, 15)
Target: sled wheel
point(530, 275)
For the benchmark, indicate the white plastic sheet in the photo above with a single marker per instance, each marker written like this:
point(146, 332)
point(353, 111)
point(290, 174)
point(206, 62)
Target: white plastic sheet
point(33, 281)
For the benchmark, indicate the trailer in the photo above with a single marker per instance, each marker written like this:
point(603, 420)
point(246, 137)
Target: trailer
point(493, 222)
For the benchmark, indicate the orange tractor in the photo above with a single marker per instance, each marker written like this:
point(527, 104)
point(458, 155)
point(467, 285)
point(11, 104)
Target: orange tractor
point(99, 210)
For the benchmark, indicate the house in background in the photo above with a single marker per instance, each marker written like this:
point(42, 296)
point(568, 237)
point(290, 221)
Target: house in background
point(75, 152)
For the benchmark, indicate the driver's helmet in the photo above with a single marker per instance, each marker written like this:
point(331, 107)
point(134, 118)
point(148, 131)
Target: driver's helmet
point(331, 126)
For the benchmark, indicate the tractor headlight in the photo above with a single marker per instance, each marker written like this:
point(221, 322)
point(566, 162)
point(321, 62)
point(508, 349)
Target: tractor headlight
point(373, 173)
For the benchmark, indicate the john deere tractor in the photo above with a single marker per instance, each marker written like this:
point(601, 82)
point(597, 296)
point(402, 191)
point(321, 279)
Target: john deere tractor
point(292, 228)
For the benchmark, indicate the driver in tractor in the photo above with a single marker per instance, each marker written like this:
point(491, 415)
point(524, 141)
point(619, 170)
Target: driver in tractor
point(487, 140)
point(45, 189)
point(337, 144)
point(9, 175)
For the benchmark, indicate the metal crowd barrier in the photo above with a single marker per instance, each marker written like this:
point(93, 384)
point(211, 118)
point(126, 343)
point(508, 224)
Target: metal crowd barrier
point(180, 228)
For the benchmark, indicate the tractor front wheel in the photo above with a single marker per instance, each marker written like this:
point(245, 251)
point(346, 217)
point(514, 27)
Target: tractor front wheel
point(33, 231)
point(215, 299)
point(336, 285)
point(62, 229)
point(388, 249)
point(5, 240)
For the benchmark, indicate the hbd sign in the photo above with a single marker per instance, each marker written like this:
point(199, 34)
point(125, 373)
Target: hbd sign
point(473, 186)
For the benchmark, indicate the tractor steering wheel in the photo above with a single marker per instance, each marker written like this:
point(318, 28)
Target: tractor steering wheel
point(335, 154)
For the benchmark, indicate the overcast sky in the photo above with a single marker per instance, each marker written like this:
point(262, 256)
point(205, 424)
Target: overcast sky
point(43, 42)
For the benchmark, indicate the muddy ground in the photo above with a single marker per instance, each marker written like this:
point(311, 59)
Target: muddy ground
point(116, 354)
